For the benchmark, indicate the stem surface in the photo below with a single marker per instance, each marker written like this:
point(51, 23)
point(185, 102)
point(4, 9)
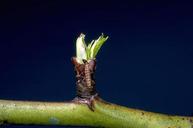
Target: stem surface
point(78, 114)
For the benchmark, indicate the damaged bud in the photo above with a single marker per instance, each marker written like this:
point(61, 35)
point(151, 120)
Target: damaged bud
point(85, 65)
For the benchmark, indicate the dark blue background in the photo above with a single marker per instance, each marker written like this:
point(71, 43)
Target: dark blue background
point(147, 63)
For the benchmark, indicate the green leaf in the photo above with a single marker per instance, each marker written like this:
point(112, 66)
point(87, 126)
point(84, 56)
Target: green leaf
point(97, 45)
point(88, 49)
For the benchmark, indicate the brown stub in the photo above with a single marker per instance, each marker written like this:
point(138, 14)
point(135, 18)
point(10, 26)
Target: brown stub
point(85, 83)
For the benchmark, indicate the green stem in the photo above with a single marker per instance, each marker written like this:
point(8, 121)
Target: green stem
point(78, 114)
